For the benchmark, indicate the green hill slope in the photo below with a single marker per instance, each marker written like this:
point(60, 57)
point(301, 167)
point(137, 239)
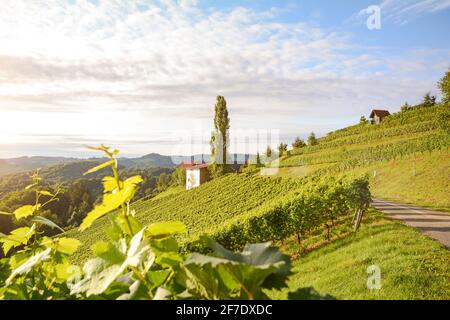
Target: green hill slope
point(406, 157)
point(403, 133)
point(231, 200)
point(201, 209)
point(417, 269)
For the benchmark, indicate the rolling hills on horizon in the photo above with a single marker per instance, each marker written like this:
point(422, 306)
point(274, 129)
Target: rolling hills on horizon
point(151, 160)
point(27, 163)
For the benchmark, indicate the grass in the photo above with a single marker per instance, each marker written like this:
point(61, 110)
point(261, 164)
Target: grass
point(395, 180)
point(412, 265)
point(429, 187)
point(292, 171)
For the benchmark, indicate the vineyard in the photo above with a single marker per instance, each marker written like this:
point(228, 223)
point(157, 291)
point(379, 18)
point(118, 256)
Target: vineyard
point(173, 246)
point(240, 209)
point(140, 258)
point(401, 134)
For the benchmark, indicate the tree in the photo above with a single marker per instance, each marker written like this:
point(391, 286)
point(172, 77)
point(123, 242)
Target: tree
point(219, 138)
point(363, 120)
point(405, 107)
point(258, 160)
point(444, 86)
point(428, 100)
point(164, 181)
point(312, 140)
point(179, 177)
point(298, 143)
point(268, 152)
point(282, 148)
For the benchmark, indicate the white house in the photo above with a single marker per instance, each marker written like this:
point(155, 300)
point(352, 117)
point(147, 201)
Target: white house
point(196, 174)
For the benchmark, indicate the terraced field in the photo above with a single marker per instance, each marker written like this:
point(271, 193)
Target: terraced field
point(399, 135)
point(201, 209)
point(406, 157)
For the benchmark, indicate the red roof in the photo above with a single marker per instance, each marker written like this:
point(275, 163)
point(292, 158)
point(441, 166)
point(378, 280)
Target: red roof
point(379, 113)
point(198, 166)
point(193, 165)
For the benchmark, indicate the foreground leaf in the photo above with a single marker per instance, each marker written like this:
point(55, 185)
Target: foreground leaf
point(18, 237)
point(63, 245)
point(47, 222)
point(111, 202)
point(29, 264)
point(109, 184)
point(26, 211)
point(98, 277)
point(165, 229)
point(109, 163)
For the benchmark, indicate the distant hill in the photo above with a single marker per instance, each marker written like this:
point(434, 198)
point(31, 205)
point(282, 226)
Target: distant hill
point(14, 165)
point(152, 160)
point(24, 164)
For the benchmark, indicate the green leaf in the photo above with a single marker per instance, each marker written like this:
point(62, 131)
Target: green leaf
point(111, 201)
point(124, 224)
point(30, 186)
point(169, 244)
point(136, 289)
point(26, 211)
point(18, 259)
point(109, 184)
point(162, 294)
point(135, 180)
point(29, 264)
point(169, 259)
point(5, 213)
point(109, 163)
point(258, 266)
point(98, 277)
point(65, 271)
point(63, 245)
point(47, 222)
point(18, 237)
point(158, 277)
point(108, 251)
point(46, 193)
point(99, 274)
point(165, 229)
point(138, 250)
point(259, 255)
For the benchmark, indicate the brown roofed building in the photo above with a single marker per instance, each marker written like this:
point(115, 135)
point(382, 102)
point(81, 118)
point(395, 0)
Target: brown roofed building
point(196, 173)
point(377, 115)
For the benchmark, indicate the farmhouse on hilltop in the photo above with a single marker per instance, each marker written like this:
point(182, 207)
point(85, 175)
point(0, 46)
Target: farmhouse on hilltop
point(377, 116)
point(196, 174)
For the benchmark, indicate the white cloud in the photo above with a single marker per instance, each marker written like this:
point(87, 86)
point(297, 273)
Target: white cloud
point(155, 66)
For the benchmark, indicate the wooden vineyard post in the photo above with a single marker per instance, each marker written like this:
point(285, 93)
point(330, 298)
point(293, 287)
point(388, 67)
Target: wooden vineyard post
point(358, 215)
point(355, 216)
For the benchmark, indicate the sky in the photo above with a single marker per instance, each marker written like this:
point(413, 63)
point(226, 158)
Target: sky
point(143, 76)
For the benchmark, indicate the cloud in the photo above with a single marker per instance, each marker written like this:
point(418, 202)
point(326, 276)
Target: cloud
point(151, 67)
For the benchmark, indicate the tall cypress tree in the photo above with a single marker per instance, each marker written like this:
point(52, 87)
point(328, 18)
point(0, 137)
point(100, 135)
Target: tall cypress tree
point(219, 139)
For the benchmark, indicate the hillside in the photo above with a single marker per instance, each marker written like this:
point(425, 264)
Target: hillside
point(13, 165)
point(357, 150)
point(24, 164)
point(406, 157)
point(403, 133)
point(418, 269)
point(202, 209)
